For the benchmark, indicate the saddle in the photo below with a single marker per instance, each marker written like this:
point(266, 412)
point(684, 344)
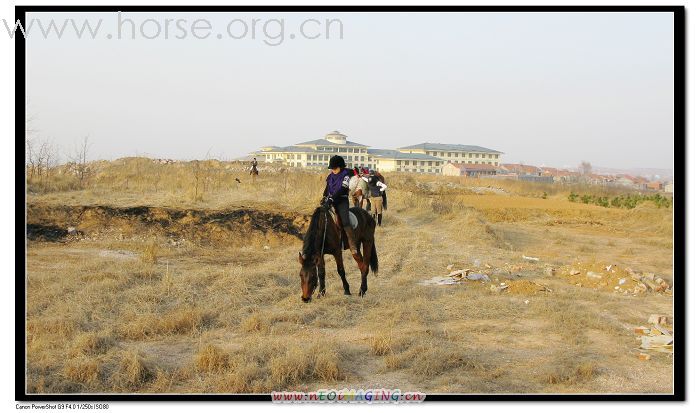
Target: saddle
point(353, 219)
point(339, 225)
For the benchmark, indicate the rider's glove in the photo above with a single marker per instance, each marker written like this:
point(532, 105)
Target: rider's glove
point(329, 201)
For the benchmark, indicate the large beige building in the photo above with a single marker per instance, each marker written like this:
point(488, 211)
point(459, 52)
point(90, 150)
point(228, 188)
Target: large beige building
point(316, 153)
point(422, 158)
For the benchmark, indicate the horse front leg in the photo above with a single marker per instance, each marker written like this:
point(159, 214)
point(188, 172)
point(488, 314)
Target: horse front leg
point(341, 272)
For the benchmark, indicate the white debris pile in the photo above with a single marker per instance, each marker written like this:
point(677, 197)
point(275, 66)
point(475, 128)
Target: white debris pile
point(456, 277)
point(658, 338)
point(627, 282)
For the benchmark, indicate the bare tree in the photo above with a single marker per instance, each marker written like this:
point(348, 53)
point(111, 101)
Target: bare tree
point(585, 168)
point(30, 157)
point(41, 155)
point(30, 137)
point(79, 160)
point(46, 158)
point(198, 177)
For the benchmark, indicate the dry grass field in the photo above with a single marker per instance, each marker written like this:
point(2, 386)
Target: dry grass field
point(178, 279)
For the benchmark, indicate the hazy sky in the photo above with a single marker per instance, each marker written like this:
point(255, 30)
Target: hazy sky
point(545, 88)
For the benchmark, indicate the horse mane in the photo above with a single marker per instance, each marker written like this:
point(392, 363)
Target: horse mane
point(311, 238)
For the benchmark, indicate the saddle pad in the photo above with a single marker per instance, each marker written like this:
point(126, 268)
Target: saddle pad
point(353, 218)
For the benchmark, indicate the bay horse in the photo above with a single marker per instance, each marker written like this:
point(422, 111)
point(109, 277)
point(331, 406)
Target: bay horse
point(325, 237)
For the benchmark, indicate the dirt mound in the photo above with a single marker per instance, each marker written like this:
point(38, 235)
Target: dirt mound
point(37, 232)
point(51, 223)
point(524, 287)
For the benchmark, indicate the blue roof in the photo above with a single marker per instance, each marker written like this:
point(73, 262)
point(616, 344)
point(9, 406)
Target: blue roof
point(392, 154)
point(290, 149)
point(450, 147)
point(327, 142)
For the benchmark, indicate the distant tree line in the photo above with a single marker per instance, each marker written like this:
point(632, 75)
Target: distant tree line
point(628, 201)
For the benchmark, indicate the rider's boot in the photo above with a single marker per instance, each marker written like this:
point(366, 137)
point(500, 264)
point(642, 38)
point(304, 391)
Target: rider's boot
point(379, 220)
point(351, 239)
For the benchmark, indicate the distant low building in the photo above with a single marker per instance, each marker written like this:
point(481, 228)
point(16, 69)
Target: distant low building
point(465, 169)
point(655, 186)
point(668, 187)
point(502, 175)
point(522, 169)
point(595, 179)
point(631, 181)
point(388, 160)
point(535, 178)
point(560, 175)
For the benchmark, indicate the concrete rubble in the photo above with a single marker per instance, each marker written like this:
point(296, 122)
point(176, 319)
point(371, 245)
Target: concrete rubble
point(656, 338)
point(456, 277)
point(607, 277)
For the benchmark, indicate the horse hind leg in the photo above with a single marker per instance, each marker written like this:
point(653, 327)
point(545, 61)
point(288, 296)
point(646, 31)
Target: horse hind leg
point(364, 267)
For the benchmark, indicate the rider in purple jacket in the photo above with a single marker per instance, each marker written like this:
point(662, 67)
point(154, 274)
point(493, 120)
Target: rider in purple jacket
point(336, 194)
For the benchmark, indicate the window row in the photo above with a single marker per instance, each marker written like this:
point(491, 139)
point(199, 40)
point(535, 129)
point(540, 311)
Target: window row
point(463, 155)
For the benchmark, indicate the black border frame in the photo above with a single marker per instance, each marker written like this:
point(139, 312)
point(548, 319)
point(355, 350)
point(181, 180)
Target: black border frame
point(679, 259)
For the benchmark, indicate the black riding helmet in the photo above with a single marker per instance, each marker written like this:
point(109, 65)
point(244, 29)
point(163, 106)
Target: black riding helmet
point(336, 161)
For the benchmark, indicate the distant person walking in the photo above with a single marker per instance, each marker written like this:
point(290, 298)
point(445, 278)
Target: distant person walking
point(254, 167)
point(376, 189)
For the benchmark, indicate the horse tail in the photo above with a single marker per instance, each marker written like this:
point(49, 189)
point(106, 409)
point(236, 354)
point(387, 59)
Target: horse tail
point(373, 260)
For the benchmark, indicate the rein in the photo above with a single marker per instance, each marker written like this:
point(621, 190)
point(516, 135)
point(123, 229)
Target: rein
point(323, 243)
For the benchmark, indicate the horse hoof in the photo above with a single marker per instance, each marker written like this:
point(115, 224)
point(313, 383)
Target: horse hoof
point(347, 292)
point(362, 293)
point(320, 294)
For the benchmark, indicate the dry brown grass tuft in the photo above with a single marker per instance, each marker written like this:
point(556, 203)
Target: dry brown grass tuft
point(380, 344)
point(255, 322)
point(243, 377)
point(436, 359)
point(304, 361)
point(62, 326)
point(326, 364)
point(91, 343)
point(392, 361)
point(180, 321)
point(291, 367)
point(211, 359)
point(132, 372)
point(150, 252)
point(83, 370)
point(572, 375)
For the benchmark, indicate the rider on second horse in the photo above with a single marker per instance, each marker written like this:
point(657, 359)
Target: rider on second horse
point(336, 194)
